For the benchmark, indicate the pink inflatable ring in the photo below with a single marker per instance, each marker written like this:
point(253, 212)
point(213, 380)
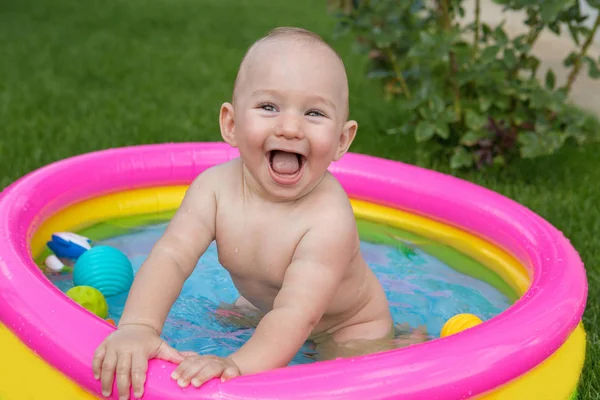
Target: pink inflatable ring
point(475, 362)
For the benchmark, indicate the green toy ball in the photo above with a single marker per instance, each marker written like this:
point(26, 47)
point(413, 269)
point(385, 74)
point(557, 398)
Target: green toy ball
point(89, 298)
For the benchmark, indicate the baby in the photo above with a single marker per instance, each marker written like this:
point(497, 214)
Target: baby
point(284, 228)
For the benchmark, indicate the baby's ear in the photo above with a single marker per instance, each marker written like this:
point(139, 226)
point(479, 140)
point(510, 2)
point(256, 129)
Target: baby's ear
point(227, 124)
point(346, 138)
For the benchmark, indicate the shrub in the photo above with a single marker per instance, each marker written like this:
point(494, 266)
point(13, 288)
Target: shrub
point(471, 89)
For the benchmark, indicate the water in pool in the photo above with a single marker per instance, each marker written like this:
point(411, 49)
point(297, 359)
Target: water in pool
point(421, 291)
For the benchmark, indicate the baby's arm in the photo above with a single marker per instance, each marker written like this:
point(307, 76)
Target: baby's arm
point(313, 277)
point(155, 288)
point(174, 256)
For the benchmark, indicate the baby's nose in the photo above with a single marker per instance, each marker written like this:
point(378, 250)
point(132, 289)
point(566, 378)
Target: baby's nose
point(290, 127)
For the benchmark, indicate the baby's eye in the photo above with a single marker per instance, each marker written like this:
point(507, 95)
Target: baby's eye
point(267, 107)
point(315, 113)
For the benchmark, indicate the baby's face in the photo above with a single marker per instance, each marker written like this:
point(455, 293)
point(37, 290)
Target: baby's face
point(290, 115)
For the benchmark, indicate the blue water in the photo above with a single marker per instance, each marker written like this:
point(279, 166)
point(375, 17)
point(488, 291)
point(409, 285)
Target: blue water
point(421, 291)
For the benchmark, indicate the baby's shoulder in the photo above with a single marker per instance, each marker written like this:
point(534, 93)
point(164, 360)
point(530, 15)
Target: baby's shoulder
point(331, 201)
point(330, 218)
point(215, 176)
point(209, 185)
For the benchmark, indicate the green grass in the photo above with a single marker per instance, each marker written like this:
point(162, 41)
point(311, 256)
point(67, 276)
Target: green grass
point(77, 77)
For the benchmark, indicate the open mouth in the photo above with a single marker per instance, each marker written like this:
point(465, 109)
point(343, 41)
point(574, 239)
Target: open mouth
point(286, 167)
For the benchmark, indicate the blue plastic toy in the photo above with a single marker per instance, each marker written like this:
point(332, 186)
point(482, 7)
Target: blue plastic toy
point(104, 268)
point(69, 245)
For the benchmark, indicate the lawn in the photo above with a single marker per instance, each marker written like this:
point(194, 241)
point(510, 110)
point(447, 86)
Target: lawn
point(77, 78)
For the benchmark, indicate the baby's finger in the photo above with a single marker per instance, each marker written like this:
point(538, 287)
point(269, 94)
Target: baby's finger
point(98, 359)
point(176, 374)
point(187, 370)
point(168, 353)
point(210, 371)
point(108, 372)
point(229, 373)
point(124, 376)
point(139, 367)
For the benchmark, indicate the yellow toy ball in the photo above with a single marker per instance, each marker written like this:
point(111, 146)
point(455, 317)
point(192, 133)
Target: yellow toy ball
point(459, 323)
point(89, 298)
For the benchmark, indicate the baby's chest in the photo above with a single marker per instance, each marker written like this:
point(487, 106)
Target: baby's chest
point(255, 251)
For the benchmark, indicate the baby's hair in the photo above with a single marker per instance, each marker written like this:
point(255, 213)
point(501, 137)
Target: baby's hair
point(293, 31)
point(289, 32)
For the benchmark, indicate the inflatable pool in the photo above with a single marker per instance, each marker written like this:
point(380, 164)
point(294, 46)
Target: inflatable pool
point(534, 349)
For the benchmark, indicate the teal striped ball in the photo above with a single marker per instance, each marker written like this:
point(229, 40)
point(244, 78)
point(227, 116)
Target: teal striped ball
point(104, 268)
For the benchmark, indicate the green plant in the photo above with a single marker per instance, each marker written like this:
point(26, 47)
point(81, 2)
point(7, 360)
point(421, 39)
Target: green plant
point(471, 89)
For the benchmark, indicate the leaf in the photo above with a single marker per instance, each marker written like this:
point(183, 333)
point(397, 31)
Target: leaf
point(499, 160)
point(450, 115)
point(486, 30)
point(471, 138)
point(484, 103)
point(593, 70)
point(576, 133)
point(437, 104)
point(382, 39)
point(510, 59)
point(533, 63)
point(574, 33)
point(425, 131)
point(500, 36)
point(571, 14)
point(554, 28)
point(442, 129)
point(521, 114)
point(427, 39)
point(529, 144)
point(570, 59)
point(489, 53)
point(502, 102)
point(461, 158)
point(550, 10)
point(520, 43)
point(559, 95)
point(535, 145)
point(473, 120)
point(538, 99)
point(550, 79)
point(594, 4)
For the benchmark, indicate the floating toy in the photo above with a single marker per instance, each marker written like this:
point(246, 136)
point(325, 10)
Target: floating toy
point(89, 298)
point(459, 323)
point(54, 264)
point(69, 245)
point(535, 349)
point(105, 268)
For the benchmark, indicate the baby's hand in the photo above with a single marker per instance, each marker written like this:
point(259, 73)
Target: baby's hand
point(199, 369)
point(126, 352)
